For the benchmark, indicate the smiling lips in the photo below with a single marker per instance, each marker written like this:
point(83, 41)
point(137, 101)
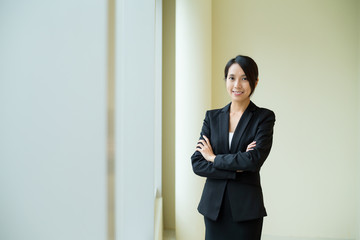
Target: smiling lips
point(237, 93)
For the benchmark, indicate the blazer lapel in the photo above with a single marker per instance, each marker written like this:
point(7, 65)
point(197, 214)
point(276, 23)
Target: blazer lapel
point(241, 126)
point(224, 129)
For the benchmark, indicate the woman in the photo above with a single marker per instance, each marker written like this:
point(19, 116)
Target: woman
point(234, 143)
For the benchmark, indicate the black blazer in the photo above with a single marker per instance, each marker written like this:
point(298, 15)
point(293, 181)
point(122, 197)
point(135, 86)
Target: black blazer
point(244, 188)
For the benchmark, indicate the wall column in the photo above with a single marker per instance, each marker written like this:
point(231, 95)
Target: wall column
point(137, 106)
point(193, 89)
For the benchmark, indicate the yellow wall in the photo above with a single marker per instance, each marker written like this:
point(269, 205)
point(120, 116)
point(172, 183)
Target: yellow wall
point(168, 129)
point(307, 52)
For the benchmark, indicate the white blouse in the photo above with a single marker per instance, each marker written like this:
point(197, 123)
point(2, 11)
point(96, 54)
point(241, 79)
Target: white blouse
point(231, 134)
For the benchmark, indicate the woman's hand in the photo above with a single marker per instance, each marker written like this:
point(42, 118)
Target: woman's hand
point(204, 147)
point(251, 146)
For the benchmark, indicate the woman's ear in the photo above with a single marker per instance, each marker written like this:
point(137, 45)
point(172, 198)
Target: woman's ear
point(257, 80)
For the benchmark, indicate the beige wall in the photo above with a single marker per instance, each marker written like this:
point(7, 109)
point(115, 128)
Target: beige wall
point(308, 54)
point(308, 58)
point(168, 129)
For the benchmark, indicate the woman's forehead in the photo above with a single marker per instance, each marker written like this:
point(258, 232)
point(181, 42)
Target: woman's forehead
point(236, 69)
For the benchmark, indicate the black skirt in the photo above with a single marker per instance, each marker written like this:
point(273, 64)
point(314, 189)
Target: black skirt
point(224, 228)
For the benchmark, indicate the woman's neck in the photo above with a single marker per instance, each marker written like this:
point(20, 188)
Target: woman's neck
point(239, 107)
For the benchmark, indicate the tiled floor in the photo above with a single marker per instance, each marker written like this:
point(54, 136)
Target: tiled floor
point(169, 235)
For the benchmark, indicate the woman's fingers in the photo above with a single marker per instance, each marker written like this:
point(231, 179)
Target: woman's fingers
point(201, 145)
point(251, 146)
point(202, 141)
point(207, 141)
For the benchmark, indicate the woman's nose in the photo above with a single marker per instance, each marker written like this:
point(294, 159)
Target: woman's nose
point(237, 83)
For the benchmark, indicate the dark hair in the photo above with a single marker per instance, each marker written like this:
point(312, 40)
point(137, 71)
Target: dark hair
point(248, 65)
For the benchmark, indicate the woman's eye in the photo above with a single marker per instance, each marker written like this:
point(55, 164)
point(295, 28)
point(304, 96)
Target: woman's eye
point(231, 78)
point(244, 78)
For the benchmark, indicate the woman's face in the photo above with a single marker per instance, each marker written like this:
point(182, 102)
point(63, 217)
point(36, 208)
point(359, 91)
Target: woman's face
point(237, 84)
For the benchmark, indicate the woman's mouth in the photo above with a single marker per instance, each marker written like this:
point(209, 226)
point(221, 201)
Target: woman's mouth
point(237, 92)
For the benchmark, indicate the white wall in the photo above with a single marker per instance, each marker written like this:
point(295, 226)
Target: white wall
point(307, 52)
point(53, 120)
point(53, 127)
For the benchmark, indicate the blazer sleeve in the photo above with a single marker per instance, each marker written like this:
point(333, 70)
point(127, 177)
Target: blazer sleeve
point(254, 159)
point(204, 168)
